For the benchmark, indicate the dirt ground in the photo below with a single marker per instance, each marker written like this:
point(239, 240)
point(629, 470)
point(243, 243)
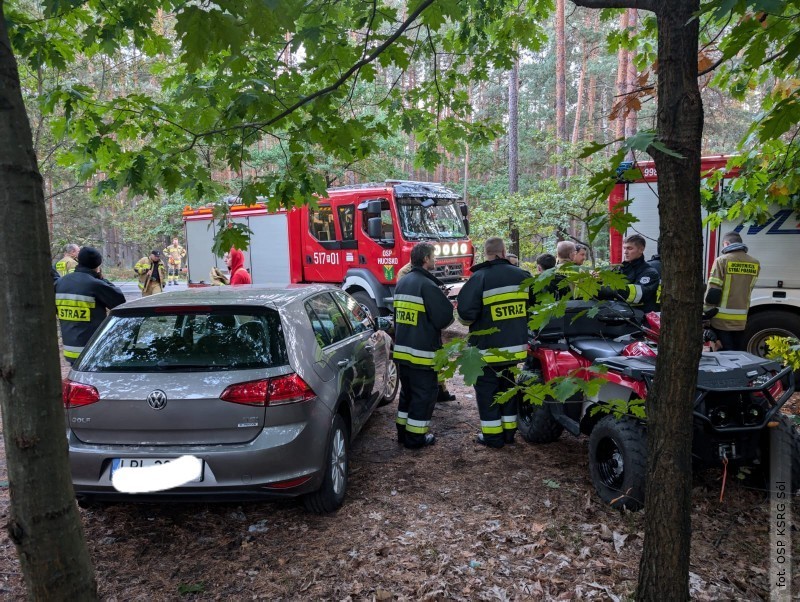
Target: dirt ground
point(455, 521)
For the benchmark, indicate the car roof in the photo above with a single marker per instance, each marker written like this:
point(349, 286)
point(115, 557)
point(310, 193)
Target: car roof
point(265, 296)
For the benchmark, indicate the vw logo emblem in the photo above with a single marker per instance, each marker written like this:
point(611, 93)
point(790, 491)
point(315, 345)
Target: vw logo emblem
point(157, 400)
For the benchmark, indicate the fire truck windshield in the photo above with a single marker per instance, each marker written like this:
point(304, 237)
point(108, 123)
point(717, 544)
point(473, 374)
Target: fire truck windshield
point(422, 218)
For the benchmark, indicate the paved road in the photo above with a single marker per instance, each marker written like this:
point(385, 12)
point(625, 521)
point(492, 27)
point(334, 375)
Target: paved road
point(130, 288)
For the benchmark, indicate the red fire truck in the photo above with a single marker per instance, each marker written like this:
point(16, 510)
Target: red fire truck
point(358, 237)
point(775, 302)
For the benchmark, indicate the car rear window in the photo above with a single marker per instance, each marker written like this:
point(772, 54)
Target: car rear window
point(195, 342)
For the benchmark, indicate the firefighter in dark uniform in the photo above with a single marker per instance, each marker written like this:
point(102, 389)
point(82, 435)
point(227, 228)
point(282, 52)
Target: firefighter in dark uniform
point(421, 311)
point(82, 300)
point(494, 298)
point(641, 291)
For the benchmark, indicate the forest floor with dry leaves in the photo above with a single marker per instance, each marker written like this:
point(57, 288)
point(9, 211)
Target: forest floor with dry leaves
point(455, 521)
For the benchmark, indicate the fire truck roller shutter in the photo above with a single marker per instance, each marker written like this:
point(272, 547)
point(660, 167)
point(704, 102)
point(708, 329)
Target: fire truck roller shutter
point(368, 291)
point(269, 244)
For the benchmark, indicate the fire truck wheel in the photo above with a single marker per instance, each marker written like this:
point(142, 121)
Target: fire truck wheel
point(761, 326)
point(369, 305)
point(392, 385)
point(618, 461)
point(330, 496)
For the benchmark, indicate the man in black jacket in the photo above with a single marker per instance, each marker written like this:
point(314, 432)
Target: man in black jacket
point(494, 298)
point(83, 298)
point(643, 280)
point(421, 311)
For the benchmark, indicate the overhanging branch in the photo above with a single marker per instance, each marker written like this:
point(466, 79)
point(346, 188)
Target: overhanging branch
point(641, 4)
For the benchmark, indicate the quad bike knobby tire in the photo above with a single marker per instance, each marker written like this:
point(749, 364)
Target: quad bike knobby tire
point(618, 461)
point(536, 424)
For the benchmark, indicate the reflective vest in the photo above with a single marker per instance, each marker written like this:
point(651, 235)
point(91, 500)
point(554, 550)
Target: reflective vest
point(494, 298)
point(735, 272)
point(174, 254)
point(66, 265)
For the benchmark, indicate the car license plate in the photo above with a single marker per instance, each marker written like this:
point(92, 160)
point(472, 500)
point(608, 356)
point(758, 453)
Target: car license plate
point(144, 462)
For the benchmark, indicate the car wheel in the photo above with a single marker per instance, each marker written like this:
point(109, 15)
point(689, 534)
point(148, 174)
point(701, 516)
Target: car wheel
point(392, 384)
point(367, 303)
point(618, 461)
point(330, 496)
point(761, 326)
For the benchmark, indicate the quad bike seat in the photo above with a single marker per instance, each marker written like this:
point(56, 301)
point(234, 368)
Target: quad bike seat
point(594, 349)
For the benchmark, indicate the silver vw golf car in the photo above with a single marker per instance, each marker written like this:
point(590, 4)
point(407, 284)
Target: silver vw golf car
point(266, 387)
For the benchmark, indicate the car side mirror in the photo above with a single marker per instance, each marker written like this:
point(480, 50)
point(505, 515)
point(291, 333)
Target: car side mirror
point(464, 210)
point(385, 324)
point(374, 207)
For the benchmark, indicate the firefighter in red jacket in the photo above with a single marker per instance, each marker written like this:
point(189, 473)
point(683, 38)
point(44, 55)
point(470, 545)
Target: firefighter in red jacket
point(421, 311)
point(494, 298)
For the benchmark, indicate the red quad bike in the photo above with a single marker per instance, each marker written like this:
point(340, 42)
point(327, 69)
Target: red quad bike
point(737, 404)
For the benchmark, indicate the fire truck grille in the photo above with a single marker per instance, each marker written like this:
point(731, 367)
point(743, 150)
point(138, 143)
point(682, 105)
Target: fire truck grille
point(448, 272)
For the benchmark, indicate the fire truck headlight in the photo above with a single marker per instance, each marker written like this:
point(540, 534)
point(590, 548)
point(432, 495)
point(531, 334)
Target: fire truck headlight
point(437, 250)
point(445, 249)
point(463, 248)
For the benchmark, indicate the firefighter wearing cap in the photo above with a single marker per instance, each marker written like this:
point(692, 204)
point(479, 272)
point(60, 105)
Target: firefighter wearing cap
point(69, 262)
point(730, 284)
point(82, 300)
point(643, 279)
point(421, 311)
point(493, 297)
point(152, 274)
point(174, 254)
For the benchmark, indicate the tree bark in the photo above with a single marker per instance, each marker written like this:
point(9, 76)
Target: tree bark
point(513, 149)
point(44, 524)
point(561, 89)
point(622, 77)
point(664, 566)
point(631, 119)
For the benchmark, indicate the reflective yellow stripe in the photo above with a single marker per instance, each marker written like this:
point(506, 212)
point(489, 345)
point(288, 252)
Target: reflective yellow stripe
point(491, 427)
point(509, 422)
point(408, 305)
point(71, 354)
point(717, 281)
point(74, 303)
point(493, 359)
point(422, 361)
point(402, 418)
point(505, 297)
point(722, 315)
point(419, 427)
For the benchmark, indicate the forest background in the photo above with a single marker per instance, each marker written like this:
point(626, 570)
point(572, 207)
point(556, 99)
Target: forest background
point(537, 116)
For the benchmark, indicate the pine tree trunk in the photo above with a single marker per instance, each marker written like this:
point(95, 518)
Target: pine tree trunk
point(561, 88)
point(44, 524)
point(631, 119)
point(513, 149)
point(576, 127)
point(622, 76)
point(664, 566)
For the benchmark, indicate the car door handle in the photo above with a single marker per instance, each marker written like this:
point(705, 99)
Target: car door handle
point(343, 363)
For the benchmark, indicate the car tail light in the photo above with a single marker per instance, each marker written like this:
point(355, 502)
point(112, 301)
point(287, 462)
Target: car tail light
point(280, 390)
point(288, 389)
point(77, 394)
point(252, 393)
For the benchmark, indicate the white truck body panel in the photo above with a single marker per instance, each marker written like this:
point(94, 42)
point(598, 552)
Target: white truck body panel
point(269, 243)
